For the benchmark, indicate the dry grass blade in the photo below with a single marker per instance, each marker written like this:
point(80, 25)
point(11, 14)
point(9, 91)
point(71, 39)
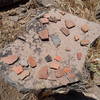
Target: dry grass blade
point(83, 8)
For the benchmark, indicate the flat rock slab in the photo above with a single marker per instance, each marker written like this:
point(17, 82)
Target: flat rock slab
point(70, 51)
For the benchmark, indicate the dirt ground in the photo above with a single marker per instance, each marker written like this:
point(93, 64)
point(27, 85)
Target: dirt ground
point(10, 93)
point(9, 30)
point(6, 90)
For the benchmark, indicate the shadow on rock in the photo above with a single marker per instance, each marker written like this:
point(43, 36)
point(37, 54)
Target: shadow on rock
point(9, 4)
point(71, 95)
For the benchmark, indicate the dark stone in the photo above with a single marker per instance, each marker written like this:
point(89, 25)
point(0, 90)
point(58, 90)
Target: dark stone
point(56, 40)
point(48, 58)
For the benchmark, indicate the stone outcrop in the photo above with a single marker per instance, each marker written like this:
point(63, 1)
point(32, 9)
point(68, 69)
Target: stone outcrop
point(51, 59)
point(46, 3)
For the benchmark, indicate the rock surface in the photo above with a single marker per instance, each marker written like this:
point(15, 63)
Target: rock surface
point(46, 3)
point(60, 71)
